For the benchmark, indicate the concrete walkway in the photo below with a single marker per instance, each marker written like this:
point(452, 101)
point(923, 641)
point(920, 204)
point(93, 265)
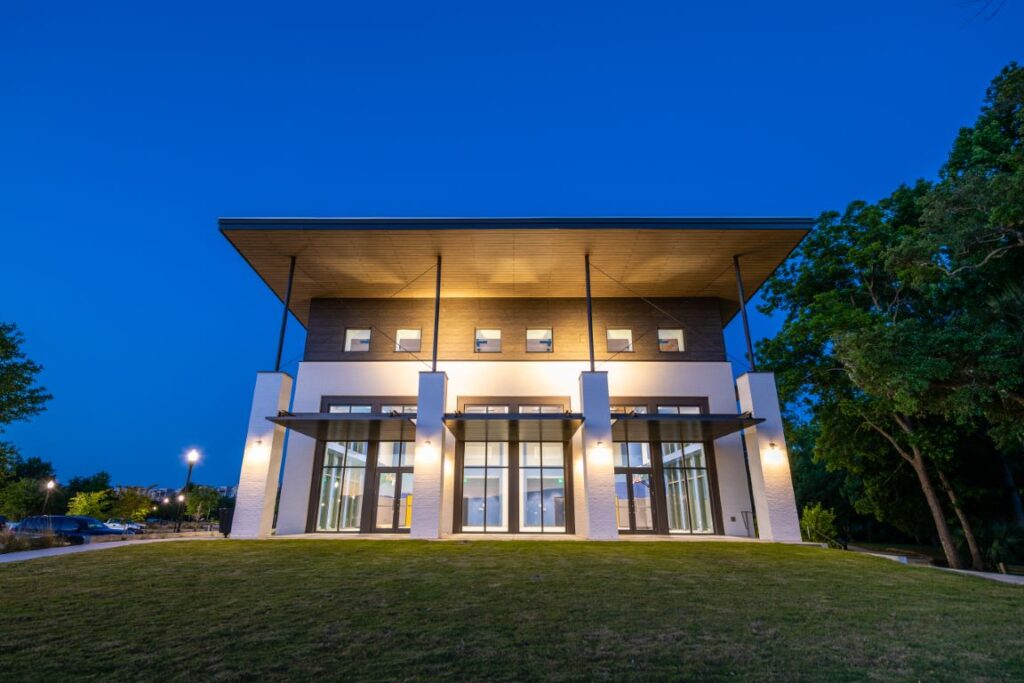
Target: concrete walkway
point(89, 547)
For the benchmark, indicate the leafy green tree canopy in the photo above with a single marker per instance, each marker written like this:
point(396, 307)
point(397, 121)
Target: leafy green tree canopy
point(95, 504)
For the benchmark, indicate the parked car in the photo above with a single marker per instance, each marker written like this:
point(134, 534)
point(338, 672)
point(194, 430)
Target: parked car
point(126, 525)
point(3, 523)
point(77, 530)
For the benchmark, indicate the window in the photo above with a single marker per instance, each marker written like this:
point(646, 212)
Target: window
point(349, 409)
point(341, 486)
point(485, 409)
point(388, 409)
point(542, 487)
point(678, 410)
point(688, 496)
point(407, 341)
point(536, 410)
point(670, 341)
point(488, 341)
point(620, 340)
point(485, 486)
point(629, 410)
point(539, 340)
point(357, 340)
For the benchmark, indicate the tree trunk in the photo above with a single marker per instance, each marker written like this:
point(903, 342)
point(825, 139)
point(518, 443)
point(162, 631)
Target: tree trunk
point(917, 461)
point(977, 562)
point(935, 505)
point(1016, 508)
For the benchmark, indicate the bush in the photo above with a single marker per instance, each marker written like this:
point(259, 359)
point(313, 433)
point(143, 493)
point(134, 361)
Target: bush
point(12, 543)
point(818, 525)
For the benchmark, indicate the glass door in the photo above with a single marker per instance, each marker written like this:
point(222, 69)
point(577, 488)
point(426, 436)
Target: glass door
point(394, 495)
point(634, 488)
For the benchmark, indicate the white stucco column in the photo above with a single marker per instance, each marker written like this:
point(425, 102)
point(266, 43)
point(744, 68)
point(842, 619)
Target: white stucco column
point(428, 467)
point(261, 459)
point(598, 468)
point(770, 478)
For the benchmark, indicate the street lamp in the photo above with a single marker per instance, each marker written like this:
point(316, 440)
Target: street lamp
point(49, 487)
point(193, 458)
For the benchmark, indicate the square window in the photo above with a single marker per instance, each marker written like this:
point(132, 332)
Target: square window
point(539, 340)
point(488, 341)
point(620, 340)
point(357, 340)
point(407, 341)
point(670, 341)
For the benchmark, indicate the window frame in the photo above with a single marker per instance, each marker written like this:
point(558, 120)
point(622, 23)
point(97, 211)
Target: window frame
point(476, 339)
point(369, 339)
point(631, 347)
point(513, 471)
point(551, 341)
point(682, 339)
point(419, 340)
point(652, 405)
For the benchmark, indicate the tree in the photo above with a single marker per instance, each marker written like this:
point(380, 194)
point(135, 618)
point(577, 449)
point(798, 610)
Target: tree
point(131, 503)
point(905, 320)
point(23, 497)
point(96, 504)
point(201, 501)
point(91, 484)
point(20, 396)
point(837, 294)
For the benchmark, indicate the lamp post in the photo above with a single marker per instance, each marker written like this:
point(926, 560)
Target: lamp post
point(50, 485)
point(193, 458)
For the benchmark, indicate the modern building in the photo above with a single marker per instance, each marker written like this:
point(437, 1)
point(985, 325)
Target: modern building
point(515, 376)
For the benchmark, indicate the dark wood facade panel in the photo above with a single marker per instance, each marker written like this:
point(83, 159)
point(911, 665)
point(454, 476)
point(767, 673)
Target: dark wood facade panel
point(700, 320)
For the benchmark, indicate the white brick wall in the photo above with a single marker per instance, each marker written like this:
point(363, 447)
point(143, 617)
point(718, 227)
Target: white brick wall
point(261, 460)
point(777, 517)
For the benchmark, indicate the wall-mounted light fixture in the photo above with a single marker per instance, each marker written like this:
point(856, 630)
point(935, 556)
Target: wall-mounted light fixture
point(774, 456)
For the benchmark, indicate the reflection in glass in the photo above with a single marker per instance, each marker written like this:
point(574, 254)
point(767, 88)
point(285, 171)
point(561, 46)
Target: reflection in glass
point(341, 486)
point(541, 489)
point(386, 500)
point(643, 504)
point(395, 454)
point(405, 502)
point(485, 486)
point(687, 489)
point(622, 501)
point(633, 454)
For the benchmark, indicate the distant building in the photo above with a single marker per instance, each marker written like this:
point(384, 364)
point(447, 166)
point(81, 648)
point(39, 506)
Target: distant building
point(502, 376)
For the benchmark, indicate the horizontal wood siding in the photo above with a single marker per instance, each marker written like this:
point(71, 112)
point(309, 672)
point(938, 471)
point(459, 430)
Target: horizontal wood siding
point(460, 317)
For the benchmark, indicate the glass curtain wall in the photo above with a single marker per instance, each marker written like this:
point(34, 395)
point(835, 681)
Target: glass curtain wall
point(687, 484)
point(341, 487)
point(366, 485)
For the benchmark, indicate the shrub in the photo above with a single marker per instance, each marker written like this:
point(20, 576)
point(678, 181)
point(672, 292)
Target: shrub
point(12, 543)
point(818, 525)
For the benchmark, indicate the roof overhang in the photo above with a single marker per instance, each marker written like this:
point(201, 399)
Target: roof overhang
point(350, 426)
point(679, 428)
point(505, 427)
point(513, 257)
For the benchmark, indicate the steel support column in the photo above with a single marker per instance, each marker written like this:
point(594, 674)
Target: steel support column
point(590, 313)
point(437, 314)
point(743, 313)
point(284, 314)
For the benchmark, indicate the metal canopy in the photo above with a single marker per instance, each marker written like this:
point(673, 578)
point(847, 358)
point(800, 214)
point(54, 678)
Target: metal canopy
point(350, 427)
point(679, 428)
point(504, 427)
point(523, 258)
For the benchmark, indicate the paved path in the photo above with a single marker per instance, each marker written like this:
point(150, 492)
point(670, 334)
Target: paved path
point(89, 547)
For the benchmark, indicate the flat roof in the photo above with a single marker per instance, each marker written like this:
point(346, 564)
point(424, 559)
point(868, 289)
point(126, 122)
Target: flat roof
point(513, 257)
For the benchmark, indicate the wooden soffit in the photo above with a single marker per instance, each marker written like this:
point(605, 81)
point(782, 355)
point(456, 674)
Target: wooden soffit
point(383, 258)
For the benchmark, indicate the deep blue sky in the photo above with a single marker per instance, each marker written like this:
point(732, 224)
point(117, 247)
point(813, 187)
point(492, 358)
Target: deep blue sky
point(127, 128)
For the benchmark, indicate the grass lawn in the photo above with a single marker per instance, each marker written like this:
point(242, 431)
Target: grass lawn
point(406, 610)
